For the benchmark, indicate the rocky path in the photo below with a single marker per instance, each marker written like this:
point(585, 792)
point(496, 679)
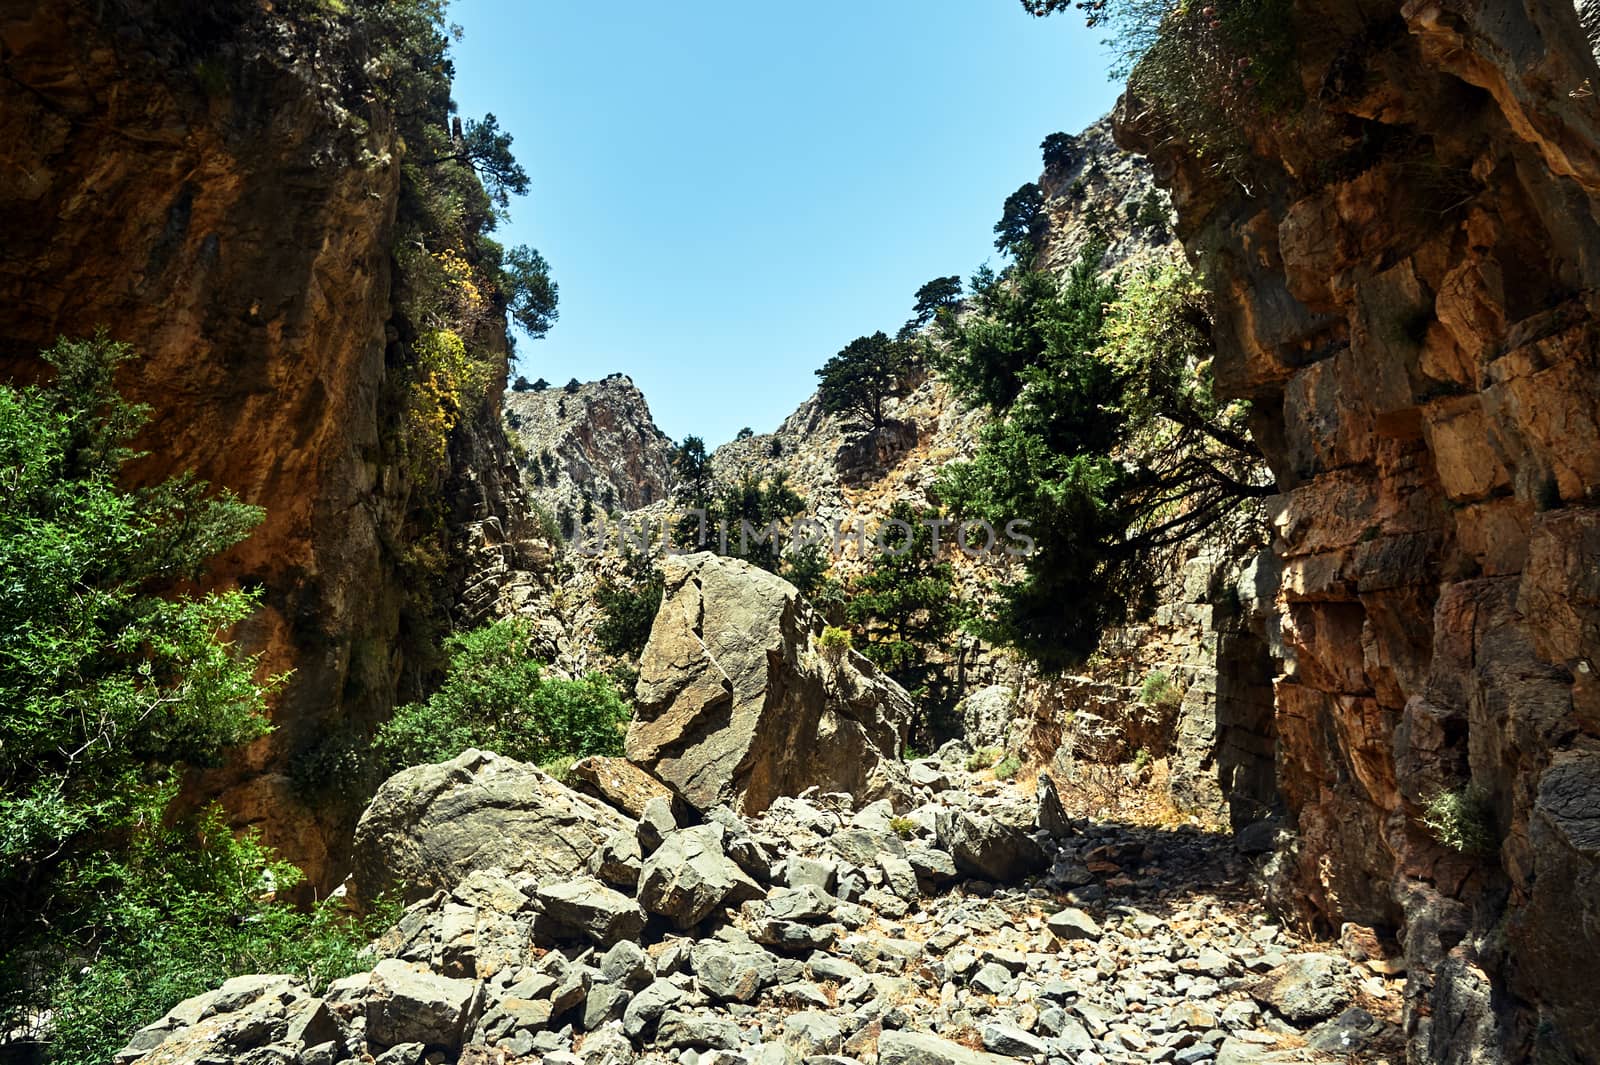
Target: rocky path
point(984, 927)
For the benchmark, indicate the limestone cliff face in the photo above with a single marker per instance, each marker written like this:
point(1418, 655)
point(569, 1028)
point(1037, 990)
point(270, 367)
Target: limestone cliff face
point(1409, 298)
point(210, 184)
point(597, 442)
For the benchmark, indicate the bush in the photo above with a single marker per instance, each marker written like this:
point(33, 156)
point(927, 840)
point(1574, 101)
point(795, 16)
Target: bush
point(1158, 690)
point(807, 568)
point(983, 758)
point(834, 642)
point(113, 909)
point(1008, 768)
point(1462, 820)
point(628, 607)
point(903, 827)
point(495, 698)
point(193, 907)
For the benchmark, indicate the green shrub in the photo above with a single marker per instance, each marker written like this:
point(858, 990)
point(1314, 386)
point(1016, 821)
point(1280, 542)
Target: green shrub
point(192, 907)
point(1462, 820)
point(113, 909)
point(560, 767)
point(333, 765)
point(495, 698)
point(1008, 768)
point(1158, 690)
point(834, 642)
point(628, 607)
point(903, 827)
point(904, 604)
point(983, 758)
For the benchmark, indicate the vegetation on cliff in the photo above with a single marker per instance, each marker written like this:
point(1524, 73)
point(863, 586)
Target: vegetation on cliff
point(1106, 439)
point(904, 605)
point(114, 903)
point(1208, 69)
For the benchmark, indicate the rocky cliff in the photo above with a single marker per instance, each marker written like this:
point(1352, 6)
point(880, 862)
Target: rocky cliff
point(218, 185)
point(597, 442)
point(1406, 287)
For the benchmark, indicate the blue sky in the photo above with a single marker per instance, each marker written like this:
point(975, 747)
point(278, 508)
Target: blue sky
point(728, 193)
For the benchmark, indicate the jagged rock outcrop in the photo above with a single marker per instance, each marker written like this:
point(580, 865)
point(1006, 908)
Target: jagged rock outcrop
point(737, 704)
point(217, 186)
point(1407, 293)
point(597, 442)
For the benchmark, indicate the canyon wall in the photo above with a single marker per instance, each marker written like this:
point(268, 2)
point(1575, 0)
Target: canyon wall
point(213, 185)
point(1406, 275)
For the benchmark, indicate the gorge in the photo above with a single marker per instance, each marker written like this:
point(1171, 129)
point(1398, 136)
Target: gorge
point(1327, 790)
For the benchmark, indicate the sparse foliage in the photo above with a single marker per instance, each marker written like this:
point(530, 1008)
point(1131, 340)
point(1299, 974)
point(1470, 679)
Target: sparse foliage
point(628, 607)
point(1462, 820)
point(1060, 151)
point(531, 294)
point(940, 294)
point(693, 467)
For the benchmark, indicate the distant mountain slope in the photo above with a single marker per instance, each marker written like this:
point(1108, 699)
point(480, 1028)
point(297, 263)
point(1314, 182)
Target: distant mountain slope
point(597, 443)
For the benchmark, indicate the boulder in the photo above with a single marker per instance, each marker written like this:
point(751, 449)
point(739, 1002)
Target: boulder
point(732, 971)
point(919, 1048)
point(737, 705)
point(656, 820)
point(430, 826)
point(696, 1030)
point(986, 715)
point(587, 908)
point(985, 847)
point(617, 781)
point(689, 876)
point(1072, 923)
point(245, 1013)
point(626, 964)
point(1052, 816)
point(411, 1006)
point(1306, 987)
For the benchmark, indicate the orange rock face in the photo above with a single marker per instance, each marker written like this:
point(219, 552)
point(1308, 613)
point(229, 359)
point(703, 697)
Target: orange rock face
point(211, 192)
point(1410, 296)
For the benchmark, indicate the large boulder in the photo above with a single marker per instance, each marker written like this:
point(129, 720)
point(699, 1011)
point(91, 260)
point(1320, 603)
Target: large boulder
point(986, 847)
point(737, 704)
point(986, 715)
point(920, 1048)
point(413, 1005)
point(431, 825)
point(586, 908)
point(618, 782)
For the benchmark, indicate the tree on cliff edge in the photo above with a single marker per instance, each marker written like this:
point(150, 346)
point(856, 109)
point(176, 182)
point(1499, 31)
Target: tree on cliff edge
point(1106, 438)
point(862, 377)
